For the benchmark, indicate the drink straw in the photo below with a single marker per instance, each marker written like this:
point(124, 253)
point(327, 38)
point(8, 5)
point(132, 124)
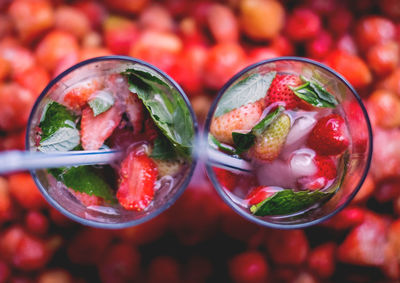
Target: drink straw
point(11, 161)
point(225, 161)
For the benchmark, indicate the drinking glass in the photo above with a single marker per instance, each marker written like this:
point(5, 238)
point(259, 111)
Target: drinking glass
point(354, 167)
point(113, 215)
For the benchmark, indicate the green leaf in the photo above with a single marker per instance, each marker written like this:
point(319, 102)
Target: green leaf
point(64, 139)
point(314, 94)
point(221, 146)
point(55, 116)
point(58, 128)
point(101, 102)
point(243, 142)
point(248, 90)
point(166, 107)
point(261, 126)
point(163, 149)
point(84, 179)
point(288, 201)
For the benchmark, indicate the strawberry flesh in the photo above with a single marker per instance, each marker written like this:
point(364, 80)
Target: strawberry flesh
point(258, 194)
point(326, 172)
point(329, 137)
point(138, 175)
point(78, 96)
point(95, 130)
point(86, 199)
point(279, 91)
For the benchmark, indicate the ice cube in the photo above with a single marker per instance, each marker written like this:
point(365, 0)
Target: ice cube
point(302, 163)
point(298, 134)
point(275, 173)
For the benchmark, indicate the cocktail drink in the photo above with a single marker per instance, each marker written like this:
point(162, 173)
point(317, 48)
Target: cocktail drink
point(304, 134)
point(121, 104)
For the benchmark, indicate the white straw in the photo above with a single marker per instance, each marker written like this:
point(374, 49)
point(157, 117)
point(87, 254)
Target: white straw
point(11, 161)
point(225, 161)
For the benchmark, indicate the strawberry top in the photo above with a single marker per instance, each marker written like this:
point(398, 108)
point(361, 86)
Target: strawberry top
point(279, 91)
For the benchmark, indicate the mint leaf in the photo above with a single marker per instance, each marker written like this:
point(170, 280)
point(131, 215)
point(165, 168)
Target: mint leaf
point(244, 142)
point(101, 102)
point(167, 108)
point(83, 179)
point(162, 149)
point(58, 129)
point(221, 146)
point(248, 90)
point(56, 116)
point(288, 201)
point(314, 94)
point(64, 139)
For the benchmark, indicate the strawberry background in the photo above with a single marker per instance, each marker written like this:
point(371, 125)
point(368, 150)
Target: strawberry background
point(202, 44)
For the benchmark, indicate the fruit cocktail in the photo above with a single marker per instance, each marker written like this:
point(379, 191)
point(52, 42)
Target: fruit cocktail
point(304, 132)
point(122, 104)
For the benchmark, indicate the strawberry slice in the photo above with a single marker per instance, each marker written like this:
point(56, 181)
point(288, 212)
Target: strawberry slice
point(79, 95)
point(95, 130)
point(329, 135)
point(138, 175)
point(227, 179)
point(279, 91)
point(326, 171)
point(86, 199)
point(258, 194)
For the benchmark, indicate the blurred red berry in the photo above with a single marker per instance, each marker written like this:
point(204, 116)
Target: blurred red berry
point(223, 61)
point(120, 264)
point(55, 47)
point(340, 21)
point(303, 24)
point(36, 222)
point(287, 247)
point(383, 58)
point(19, 58)
point(197, 269)
point(156, 17)
point(372, 30)
point(365, 244)
point(322, 260)
point(164, 269)
point(385, 108)
point(31, 18)
point(248, 267)
point(34, 79)
point(72, 20)
point(390, 8)
point(348, 218)
point(95, 11)
point(124, 6)
point(347, 44)
point(262, 53)
point(320, 46)
point(366, 190)
point(387, 190)
point(31, 253)
point(24, 190)
point(352, 67)
point(282, 45)
point(223, 24)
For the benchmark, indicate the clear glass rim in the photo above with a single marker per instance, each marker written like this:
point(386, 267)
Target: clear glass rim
point(156, 212)
point(225, 196)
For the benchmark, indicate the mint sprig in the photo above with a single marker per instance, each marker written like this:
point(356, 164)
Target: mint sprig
point(58, 129)
point(244, 142)
point(84, 179)
point(288, 201)
point(221, 146)
point(101, 102)
point(314, 94)
point(248, 90)
point(167, 108)
point(162, 150)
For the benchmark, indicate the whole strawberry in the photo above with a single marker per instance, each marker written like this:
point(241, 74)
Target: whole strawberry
point(329, 136)
point(269, 144)
point(138, 175)
point(279, 91)
point(326, 172)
